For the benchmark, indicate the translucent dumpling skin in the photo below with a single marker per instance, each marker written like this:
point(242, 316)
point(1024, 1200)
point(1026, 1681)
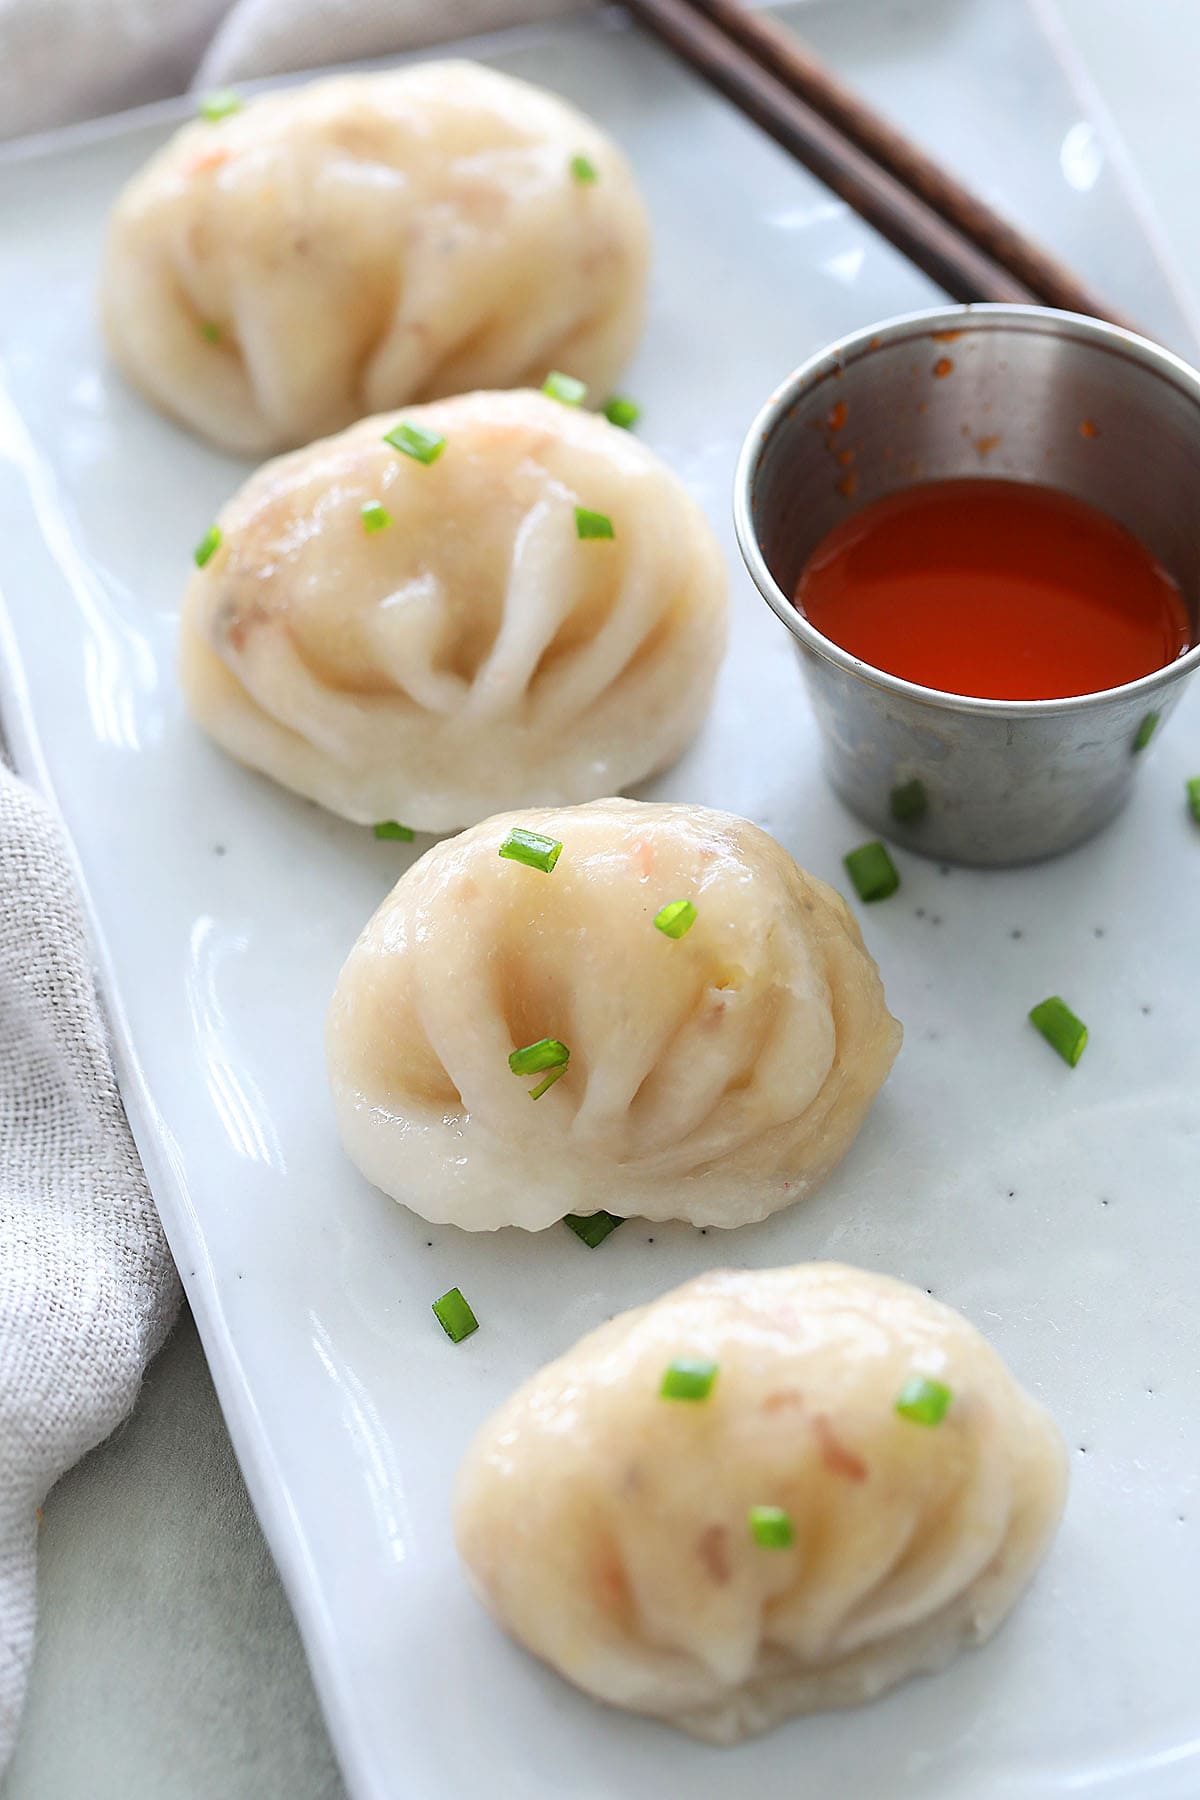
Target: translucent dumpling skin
point(608, 1529)
point(714, 1077)
point(370, 240)
point(476, 651)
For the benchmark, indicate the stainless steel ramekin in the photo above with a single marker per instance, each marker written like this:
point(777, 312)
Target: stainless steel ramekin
point(1016, 392)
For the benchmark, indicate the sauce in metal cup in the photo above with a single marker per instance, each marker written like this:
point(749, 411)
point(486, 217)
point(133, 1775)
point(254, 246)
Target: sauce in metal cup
point(1028, 395)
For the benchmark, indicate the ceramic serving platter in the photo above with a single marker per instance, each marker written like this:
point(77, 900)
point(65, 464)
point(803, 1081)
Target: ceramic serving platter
point(1059, 1209)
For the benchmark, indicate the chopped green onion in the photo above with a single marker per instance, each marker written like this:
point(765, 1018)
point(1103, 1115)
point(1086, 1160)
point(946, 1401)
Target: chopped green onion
point(676, 917)
point(565, 388)
point(413, 440)
point(872, 871)
point(583, 171)
point(592, 1228)
point(455, 1316)
point(909, 802)
point(220, 104)
point(210, 331)
point(532, 849)
point(208, 546)
point(547, 1053)
point(592, 524)
point(688, 1378)
point(1060, 1028)
point(622, 412)
point(391, 828)
point(771, 1527)
point(1145, 731)
point(923, 1400)
point(375, 516)
point(554, 1075)
point(1193, 794)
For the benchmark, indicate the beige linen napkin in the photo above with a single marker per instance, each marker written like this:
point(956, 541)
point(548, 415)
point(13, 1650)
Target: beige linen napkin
point(87, 1286)
point(71, 59)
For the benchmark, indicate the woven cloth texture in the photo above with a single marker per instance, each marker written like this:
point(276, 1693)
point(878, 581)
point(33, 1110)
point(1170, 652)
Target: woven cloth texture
point(87, 1286)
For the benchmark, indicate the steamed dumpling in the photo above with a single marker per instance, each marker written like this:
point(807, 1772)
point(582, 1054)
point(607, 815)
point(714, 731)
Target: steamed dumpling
point(370, 240)
point(715, 1077)
point(608, 1529)
point(476, 652)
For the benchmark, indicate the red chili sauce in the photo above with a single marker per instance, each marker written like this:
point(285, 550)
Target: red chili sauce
point(996, 589)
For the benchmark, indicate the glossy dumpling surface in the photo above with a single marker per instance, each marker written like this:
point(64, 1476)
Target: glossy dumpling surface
point(608, 1529)
point(365, 241)
point(714, 1077)
point(476, 651)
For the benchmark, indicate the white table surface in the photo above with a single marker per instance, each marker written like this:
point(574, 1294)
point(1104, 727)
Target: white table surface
point(168, 1666)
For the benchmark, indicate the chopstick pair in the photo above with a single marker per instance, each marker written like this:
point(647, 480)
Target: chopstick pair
point(938, 224)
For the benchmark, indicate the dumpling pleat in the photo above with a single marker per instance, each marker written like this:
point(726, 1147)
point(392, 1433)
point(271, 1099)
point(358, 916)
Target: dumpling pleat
point(772, 1055)
point(644, 578)
point(539, 593)
point(406, 631)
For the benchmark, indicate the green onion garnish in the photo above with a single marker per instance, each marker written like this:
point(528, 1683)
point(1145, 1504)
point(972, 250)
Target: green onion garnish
point(583, 171)
point(1145, 731)
point(676, 917)
point(413, 440)
point(592, 524)
point(1060, 1028)
point(455, 1316)
point(592, 1228)
point(909, 802)
point(771, 1527)
point(554, 1075)
point(208, 546)
point(923, 1400)
point(622, 412)
point(391, 828)
point(532, 849)
point(688, 1378)
point(375, 516)
point(547, 1053)
point(210, 331)
point(565, 388)
point(872, 871)
point(220, 104)
point(1193, 794)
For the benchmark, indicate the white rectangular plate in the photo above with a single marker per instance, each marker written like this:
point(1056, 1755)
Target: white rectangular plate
point(1057, 1208)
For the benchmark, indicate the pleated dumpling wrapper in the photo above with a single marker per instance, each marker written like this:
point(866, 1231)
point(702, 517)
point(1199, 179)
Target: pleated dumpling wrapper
point(533, 615)
point(364, 241)
point(507, 1044)
point(850, 1487)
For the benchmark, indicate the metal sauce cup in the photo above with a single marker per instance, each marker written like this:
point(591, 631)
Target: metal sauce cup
point(1019, 393)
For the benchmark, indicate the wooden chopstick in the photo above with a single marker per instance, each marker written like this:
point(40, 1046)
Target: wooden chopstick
point(803, 73)
point(938, 224)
